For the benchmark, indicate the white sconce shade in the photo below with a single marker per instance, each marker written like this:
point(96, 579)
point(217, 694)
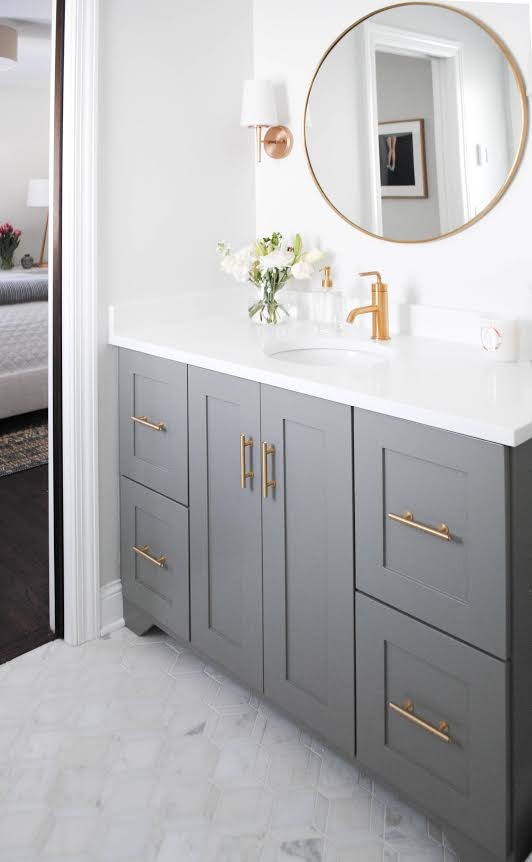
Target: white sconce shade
point(259, 107)
point(38, 193)
point(8, 47)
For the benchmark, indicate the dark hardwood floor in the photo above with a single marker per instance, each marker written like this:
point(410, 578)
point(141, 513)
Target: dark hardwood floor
point(24, 597)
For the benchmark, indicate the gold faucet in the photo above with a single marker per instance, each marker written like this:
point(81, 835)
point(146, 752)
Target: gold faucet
point(378, 309)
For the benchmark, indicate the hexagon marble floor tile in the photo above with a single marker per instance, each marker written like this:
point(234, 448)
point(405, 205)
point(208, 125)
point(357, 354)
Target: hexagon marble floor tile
point(132, 749)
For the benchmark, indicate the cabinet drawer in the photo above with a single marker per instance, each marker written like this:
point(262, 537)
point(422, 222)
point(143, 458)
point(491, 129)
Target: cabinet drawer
point(428, 478)
point(153, 423)
point(154, 556)
point(409, 679)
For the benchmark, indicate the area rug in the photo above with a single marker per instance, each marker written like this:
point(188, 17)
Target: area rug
point(22, 448)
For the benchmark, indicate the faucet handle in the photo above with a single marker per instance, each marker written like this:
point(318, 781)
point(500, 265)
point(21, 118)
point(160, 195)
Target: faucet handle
point(379, 280)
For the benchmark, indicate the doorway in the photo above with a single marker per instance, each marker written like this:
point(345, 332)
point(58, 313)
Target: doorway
point(31, 51)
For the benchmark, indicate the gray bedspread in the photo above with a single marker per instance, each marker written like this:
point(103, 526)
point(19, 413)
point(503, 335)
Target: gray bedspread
point(19, 289)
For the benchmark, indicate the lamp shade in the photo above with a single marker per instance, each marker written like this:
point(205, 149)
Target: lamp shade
point(38, 193)
point(259, 107)
point(8, 47)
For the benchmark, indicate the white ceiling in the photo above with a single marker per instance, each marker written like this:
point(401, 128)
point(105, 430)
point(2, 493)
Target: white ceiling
point(32, 20)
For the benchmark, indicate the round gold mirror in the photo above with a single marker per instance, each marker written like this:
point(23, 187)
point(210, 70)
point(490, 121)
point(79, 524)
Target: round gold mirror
point(415, 122)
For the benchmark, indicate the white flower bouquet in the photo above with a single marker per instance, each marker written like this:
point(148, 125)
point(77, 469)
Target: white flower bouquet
point(269, 264)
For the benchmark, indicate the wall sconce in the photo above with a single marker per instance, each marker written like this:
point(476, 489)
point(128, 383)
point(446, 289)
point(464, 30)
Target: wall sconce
point(259, 111)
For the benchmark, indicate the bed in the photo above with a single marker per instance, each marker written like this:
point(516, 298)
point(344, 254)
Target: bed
point(23, 342)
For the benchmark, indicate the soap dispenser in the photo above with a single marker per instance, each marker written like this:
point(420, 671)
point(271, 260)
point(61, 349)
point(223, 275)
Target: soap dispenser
point(329, 310)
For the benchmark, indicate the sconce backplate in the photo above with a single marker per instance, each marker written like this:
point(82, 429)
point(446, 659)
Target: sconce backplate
point(278, 142)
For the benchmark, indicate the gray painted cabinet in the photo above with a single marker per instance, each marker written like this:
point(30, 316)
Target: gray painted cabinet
point(153, 423)
point(426, 532)
point(308, 562)
point(408, 671)
point(154, 557)
point(225, 522)
point(460, 585)
point(291, 550)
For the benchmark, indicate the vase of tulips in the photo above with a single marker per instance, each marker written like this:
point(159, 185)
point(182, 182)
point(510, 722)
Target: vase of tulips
point(269, 264)
point(9, 242)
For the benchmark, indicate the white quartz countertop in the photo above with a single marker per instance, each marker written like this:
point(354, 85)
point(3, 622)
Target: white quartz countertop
point(439, 383)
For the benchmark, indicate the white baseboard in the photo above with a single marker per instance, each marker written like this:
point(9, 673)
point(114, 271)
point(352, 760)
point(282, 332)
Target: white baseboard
point(111, 608)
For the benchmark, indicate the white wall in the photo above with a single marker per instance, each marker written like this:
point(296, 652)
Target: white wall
point(490, 265)
point(24, 145)
point(176, 172)
point(336, 120)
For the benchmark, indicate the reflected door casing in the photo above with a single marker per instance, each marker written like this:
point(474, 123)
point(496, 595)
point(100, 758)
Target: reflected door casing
point(308, 563)
point(225, 523)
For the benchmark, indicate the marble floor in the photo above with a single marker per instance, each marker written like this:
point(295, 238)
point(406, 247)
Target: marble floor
point(131, 749)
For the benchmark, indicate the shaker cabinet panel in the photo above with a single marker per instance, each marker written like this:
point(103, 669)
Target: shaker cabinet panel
point(225, 522)
point(431, 526)
point(431, 719)
point(153, 423)
point(154, 556)
point(308, 562)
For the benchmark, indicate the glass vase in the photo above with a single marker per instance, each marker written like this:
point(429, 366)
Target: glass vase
point(265, 308)
point(7, 262)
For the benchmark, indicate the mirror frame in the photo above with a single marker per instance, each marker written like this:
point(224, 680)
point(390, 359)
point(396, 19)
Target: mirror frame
point(521, 86)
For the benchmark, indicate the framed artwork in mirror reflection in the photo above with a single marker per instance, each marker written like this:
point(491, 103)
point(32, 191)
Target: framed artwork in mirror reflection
point(402, 159)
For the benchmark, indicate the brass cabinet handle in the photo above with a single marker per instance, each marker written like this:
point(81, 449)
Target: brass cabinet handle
point(407, 711)
point(144, 552)
point(266, 483)
point(407, 518)
point(144, 421)
point(245, 474)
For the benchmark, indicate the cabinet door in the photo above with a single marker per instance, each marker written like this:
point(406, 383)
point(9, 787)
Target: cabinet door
point(308, 562)
point(154, 556)
point(153, 423)
point(410, 481)
point(431, 719)
point(225, 525)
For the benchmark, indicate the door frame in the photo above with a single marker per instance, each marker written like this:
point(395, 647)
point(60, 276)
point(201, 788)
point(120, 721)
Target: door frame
point(55, 470)
point(445, 56)
point(79, 339)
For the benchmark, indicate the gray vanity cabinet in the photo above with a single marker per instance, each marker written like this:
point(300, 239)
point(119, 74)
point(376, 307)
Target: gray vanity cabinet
point(154, 559)
point(431, 718)
point(307, 520)
point(153, 423)
point(225, 522)
point(239, 516)
point(412, 483)
point(283, 537)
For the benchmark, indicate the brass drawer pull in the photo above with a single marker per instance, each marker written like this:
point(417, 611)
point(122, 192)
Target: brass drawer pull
point(143, 420)
point(267, 483)
point(144, 552)
point(245, 474)
point(407, 518)
point(407, 711)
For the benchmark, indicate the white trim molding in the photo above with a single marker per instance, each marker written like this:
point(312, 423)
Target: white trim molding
point(80, 322)
point(111, 608)
point(446, 60)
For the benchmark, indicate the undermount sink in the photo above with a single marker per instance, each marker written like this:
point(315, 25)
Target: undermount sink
point(328, 356)
point(326, 352)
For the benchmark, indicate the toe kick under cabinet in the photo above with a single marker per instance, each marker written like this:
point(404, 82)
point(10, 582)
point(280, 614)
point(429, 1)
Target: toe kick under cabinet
point(371, 576)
